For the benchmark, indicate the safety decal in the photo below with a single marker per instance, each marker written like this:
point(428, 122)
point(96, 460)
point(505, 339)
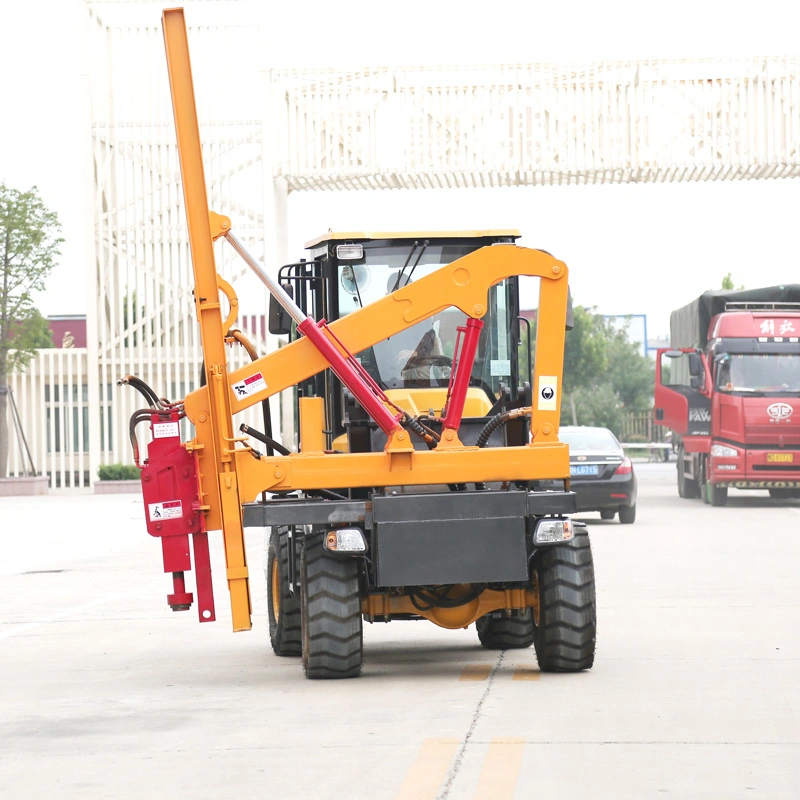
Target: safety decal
point(163, 430)
point(548, 393)
point(170, 509)
point(252, 385)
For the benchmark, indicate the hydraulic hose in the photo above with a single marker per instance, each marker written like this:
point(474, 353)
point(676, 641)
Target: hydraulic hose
point(500, 419)
point(141, 387)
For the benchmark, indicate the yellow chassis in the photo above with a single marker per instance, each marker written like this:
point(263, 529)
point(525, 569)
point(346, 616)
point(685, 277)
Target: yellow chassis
point(230, 476)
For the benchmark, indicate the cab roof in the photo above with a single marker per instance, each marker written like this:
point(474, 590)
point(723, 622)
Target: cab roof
point(330, 236)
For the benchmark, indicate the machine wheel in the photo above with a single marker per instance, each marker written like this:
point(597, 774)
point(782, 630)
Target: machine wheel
point(687, 487)
point(506, 633)
point(331, 613)
point(283, 607)
point(718, 495)
point(565, 623)
point(627, 514)
point(607, 513)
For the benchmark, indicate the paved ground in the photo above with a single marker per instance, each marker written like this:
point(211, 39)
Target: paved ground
point(105, 693)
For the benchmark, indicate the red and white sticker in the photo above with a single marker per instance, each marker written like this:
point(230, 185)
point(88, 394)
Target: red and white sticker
point(170, 509)
point(252, 385)
point(163, 430)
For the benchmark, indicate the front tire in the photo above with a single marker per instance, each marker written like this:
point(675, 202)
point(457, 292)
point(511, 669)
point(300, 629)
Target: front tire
point(283, 607)
point(718, 495)
point(332, 631)
point(565, 623)
point(506, 633)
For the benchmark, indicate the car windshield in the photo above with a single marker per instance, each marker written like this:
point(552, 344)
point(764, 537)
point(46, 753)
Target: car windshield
point(589, 438)
point(758, 372)
point(421, 355)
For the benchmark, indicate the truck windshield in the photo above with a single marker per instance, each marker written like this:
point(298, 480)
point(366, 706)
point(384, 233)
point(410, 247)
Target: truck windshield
point(757, 372)
point(421, 356)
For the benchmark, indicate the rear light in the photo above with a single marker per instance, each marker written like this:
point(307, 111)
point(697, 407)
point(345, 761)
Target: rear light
point(625, 468)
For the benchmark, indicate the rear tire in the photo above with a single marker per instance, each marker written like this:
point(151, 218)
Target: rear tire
point(283, 607)
point(506, 633)
point(331, 613)
point(565, 627)
point(627, 514)
point(607, 513)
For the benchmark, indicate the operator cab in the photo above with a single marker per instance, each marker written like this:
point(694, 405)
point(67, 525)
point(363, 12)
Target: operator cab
point(347, 271)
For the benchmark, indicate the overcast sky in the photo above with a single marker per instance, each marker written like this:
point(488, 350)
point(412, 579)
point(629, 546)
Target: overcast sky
point(641, 249)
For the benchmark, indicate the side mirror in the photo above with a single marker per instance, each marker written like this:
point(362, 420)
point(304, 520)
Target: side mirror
point(278, 321)
point(695, 365)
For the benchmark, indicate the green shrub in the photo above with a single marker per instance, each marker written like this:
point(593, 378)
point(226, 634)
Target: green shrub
point(118, 472)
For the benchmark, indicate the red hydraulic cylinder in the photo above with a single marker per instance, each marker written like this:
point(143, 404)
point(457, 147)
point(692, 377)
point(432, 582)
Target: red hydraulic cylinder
point(349, 376)
point(462, 372)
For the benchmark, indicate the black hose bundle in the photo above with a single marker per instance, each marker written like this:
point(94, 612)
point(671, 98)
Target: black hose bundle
point(500, 419)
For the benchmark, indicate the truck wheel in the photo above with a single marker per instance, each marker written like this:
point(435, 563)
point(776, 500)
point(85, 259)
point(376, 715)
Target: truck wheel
point(283, 607)
point(607, 513)
point(687, 487)
point(331, 613)
point(627, 514)
point(565, 622)
point(506, 633)
point(718, 495)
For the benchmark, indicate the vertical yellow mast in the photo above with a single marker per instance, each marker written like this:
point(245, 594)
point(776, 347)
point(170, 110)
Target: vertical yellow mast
point(218, 468)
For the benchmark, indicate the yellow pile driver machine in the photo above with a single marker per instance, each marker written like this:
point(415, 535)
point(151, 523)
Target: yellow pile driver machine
point(414, 492)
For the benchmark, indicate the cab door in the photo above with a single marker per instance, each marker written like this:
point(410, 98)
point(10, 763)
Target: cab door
point(683, 391)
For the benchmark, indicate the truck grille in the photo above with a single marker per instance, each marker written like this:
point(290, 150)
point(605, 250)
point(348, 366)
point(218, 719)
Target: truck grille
point(767, 435)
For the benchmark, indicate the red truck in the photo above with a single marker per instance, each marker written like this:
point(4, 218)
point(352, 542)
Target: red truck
point(729, 389)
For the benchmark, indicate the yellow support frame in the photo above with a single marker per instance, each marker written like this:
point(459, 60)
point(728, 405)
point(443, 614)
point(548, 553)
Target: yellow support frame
point(230, 476)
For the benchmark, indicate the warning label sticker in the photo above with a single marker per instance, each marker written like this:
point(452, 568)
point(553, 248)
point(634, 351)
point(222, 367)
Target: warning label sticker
point(170, 509)
point(255, 383)
point(548, 393)
point(163, 430)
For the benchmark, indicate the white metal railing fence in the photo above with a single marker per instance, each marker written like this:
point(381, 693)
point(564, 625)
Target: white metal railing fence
point(525, 124)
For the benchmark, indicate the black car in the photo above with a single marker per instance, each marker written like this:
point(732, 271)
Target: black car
point(601, 475)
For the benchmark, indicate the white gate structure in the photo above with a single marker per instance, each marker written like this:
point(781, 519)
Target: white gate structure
point(268, 131)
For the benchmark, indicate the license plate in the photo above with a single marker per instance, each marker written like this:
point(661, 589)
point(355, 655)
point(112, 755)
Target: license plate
point(782, 458)
point(584, 469)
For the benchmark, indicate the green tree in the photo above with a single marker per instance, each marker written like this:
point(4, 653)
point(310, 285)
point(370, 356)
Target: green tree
point(631, 373)
point(727, 283)
point(29, 246)
point(605, 373)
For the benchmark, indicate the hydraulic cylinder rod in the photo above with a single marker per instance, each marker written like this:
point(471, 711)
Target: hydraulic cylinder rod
point(367, 393)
